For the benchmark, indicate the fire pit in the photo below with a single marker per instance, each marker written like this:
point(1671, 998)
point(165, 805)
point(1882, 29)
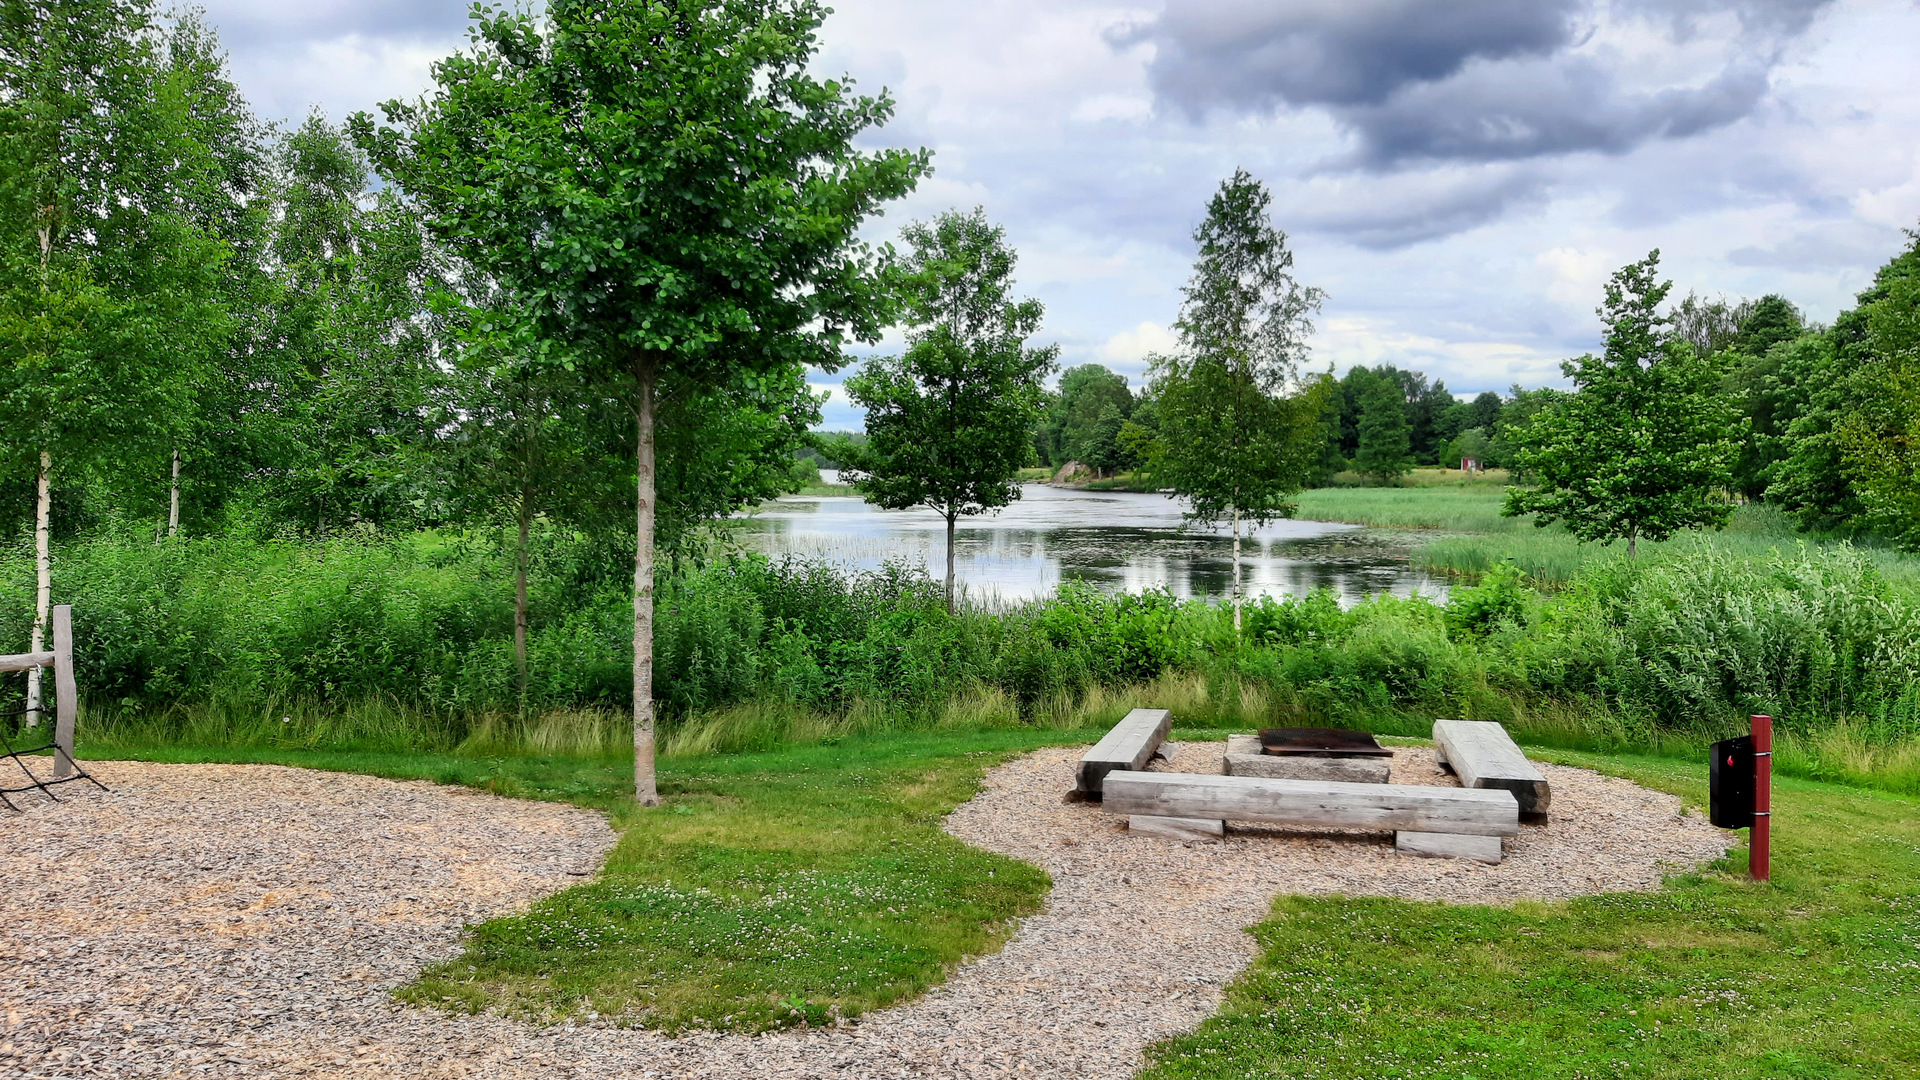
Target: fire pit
point(1323, 742)
point(1309, 754)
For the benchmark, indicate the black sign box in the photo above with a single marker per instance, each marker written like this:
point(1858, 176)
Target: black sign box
point(1730, 783)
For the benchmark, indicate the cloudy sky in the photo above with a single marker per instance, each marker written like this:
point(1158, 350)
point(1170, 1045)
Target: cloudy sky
point(1459, 175)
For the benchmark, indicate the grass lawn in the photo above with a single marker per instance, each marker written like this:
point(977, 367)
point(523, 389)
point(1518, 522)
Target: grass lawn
point(1714, 977)
point(815, 880)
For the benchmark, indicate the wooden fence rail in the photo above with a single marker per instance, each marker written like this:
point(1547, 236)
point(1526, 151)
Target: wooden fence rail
point(66, 691)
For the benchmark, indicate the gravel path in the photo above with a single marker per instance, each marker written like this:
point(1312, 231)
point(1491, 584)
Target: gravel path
point(249, 920)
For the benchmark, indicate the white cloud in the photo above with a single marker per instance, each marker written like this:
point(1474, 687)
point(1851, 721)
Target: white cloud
point(1575, 277)
point(1134, 346)
point(1479, 273)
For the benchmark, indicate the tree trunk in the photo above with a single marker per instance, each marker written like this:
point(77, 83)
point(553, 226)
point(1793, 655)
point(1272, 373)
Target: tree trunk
point(520, 597)
point(1236, 571)
point(644, 789)
point(950, 517)
point(173, 501)
point(43, 583)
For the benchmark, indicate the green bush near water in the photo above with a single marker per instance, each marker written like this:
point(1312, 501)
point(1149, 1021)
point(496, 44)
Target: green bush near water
point(406, 643)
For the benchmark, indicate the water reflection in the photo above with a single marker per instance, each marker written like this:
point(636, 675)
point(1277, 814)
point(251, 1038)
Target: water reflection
point(1114, 540)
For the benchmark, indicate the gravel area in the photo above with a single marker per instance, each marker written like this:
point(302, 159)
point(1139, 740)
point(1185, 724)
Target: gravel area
point(248, 921)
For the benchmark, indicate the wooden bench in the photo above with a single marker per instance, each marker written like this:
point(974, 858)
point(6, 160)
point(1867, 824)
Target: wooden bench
point(1456, 822)
point(1128, 747)
point(1484, 756)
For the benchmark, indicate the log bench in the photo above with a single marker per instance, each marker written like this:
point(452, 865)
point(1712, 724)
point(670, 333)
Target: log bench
point(1128, 747)
point(1484, 756)
point(1456, 822)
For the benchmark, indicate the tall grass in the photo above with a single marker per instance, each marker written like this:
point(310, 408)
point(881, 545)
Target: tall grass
point(1479, 538)
point(1465, 508)
point(405, 644)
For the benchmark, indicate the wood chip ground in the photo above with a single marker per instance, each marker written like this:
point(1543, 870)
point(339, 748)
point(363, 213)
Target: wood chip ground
point(249, 921)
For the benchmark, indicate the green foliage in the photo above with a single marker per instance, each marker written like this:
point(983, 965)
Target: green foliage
point(1645, 444)
point(1238, 435)
point(1473, 443)
point(1500, 600)
point(667, 196)
point(1385, 440)
point(947, 422)
point(1085, 418)
point(1880, 441)
point(338, 393)
point(213, 635)
point(109, 282)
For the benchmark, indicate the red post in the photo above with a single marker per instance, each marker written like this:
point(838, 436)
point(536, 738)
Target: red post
point(1760, 839)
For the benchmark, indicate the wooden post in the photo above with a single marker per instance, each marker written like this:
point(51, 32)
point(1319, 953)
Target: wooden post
point(1760, 838)
point(65, 691)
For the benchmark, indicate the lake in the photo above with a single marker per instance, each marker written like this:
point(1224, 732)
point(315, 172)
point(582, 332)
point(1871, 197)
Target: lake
point(1113, 540)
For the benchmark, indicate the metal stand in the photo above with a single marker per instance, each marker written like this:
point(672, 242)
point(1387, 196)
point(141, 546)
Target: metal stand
point(45, 787)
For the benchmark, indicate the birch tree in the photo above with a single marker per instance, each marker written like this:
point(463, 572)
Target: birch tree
point(108, 293)
point(1241, 431)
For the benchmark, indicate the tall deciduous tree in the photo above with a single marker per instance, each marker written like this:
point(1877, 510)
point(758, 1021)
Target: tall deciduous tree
point(352, 343)
point(108, 290)
point(1239, 434)
point(948, 421)
point(1645, 445)
point(668, 193)
point(1384, 438)
point(1880, 440)
point(1077, 426)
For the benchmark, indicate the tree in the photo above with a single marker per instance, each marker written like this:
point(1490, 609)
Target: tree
point(1880, 441)
point(1486, 411)
point(1239, 434)
point(1825, 381)
point(1645, 444)
point(947, 421)
point(1471, 443)
point(519, 441)
point(1385, 438)
point(353, 342)
point(1516, 415)
point(1770, 320)
point(520, 444)
point(1709, 326)
point(108, 291)
point(1755, 381)
point(1085, 414)
point(668, 195)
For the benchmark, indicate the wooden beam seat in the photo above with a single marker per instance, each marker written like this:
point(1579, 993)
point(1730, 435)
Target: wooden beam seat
point(1484, 756)
point(1314, 803)
point(1128, 747)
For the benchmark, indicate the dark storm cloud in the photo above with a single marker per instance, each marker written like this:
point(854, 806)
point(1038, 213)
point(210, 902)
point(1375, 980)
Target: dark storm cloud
point(1543, 108)
point(1257, 54)
point(1435, 80)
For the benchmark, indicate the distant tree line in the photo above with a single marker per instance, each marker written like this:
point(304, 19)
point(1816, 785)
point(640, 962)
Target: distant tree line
point(1820, 421)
